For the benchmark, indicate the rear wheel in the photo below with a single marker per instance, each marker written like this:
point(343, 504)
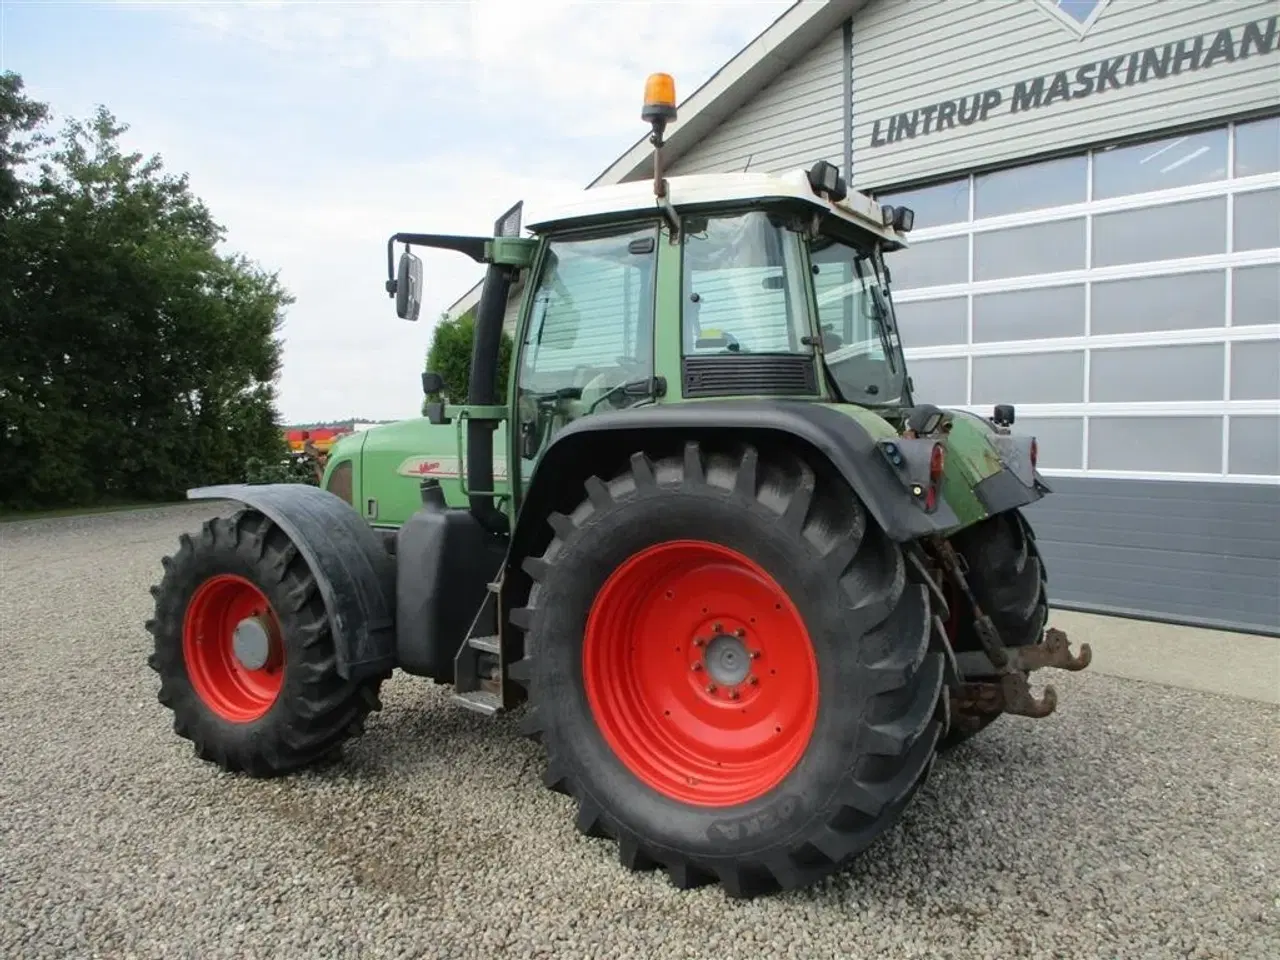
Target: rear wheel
point(245, 654)
point(731, 668)
point(1008, 579)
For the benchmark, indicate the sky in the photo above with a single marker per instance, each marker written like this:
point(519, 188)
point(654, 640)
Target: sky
point(315, 130)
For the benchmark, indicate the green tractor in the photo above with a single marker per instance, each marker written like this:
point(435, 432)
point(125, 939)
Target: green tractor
point(743, 587)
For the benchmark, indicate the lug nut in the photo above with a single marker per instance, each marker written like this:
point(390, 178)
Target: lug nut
point(740, 632)
point(699, 642)
point(733, 694)
point(755, 654)
point(711, 688)
point(753, 680)
point(718, 628)
point(696, 667)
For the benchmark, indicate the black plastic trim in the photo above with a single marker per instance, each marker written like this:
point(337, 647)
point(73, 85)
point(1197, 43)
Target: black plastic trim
point(353, 570)
point(1004, 491)
point(727, 375)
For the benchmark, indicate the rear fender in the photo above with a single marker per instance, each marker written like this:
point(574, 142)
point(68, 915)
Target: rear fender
point(821, 433)
point(354, 572)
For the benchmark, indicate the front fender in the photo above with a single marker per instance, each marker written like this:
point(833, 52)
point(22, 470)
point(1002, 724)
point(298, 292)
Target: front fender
point(354, 572)
point(824, 432)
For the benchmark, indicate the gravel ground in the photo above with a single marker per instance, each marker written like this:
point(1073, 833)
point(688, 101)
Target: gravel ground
point(1139, 821)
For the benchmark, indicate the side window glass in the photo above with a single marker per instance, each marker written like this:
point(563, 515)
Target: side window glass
point(742, 287)
point(590, 332)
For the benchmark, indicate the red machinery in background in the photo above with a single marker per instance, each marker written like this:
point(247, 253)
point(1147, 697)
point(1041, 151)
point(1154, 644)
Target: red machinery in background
point(322, 438)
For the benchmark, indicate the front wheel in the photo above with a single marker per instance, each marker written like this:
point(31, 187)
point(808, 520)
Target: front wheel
point(245, 653)
point(731, 669)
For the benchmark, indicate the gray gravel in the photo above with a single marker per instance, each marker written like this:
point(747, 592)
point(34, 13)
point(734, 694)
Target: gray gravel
point(1140, 821)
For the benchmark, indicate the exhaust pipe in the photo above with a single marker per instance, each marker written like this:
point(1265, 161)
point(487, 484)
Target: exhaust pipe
point(483, 391)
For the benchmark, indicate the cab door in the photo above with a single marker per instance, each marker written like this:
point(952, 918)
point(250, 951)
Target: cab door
point(588, 333)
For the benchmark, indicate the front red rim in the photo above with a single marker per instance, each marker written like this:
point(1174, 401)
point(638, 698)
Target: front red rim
point(700, 673)
point(229, 688)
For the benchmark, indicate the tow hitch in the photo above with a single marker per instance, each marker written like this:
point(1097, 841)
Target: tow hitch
point(1010, 692)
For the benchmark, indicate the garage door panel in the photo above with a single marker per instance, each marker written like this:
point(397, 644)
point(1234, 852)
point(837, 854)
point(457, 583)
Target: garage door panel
point(1086, 585)
point(1204, 551)
point(1201, 538)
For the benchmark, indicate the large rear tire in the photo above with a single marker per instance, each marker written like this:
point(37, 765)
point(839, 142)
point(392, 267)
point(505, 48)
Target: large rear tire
point(1008, 580)
point(245, 654)
point(732, 670)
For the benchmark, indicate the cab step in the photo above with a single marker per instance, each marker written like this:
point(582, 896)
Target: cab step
point(489, 645)
point(481, 701)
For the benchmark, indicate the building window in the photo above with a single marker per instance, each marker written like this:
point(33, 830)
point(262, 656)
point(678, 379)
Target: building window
point(1126, 299)
point(1032, 186)
point(1179, 301)
point(1158, 165)
point(1258, 147)
point(1037, 314)
point(1023, 251)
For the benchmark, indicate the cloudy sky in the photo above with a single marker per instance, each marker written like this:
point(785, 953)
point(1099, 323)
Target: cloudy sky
point(314, 130)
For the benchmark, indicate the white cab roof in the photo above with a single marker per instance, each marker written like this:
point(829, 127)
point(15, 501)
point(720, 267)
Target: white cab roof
point(636, 196)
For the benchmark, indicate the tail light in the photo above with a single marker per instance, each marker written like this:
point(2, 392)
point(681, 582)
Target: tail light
point(937, 466)
point(1035, 452)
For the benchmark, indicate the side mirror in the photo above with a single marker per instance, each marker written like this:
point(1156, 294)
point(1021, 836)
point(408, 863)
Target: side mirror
point(409, 287)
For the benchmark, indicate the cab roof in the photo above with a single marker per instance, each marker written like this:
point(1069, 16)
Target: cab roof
point(707, 188)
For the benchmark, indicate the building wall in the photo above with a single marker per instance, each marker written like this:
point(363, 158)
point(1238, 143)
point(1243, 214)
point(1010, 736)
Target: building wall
point(1123, 293)
point(796, 120)
point(954, 85)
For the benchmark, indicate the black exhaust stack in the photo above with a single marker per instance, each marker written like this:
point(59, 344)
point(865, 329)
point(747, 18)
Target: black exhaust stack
point(483, 391)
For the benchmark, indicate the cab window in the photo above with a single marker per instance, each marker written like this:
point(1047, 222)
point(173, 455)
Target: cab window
point(590, 330)
point(743, 287)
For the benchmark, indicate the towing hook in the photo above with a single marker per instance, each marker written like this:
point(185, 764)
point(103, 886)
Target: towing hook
point(1057, 649)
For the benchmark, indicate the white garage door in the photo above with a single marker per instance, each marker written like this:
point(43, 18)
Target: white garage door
point(1126, 299)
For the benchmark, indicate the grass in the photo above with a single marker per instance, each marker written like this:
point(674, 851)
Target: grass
point(11, 516)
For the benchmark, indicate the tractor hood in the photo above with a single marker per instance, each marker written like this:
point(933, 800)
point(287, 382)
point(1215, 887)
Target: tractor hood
point(391, 460)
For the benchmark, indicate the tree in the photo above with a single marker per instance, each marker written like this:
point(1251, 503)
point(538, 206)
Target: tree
point(137, 360)
point(450, 356)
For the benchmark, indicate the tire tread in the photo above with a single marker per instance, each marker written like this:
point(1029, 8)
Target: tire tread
point(904, 681)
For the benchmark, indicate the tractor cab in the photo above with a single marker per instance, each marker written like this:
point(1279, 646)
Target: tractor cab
point(686, 288)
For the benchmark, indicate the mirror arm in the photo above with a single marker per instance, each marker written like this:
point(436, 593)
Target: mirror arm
point(473, 247)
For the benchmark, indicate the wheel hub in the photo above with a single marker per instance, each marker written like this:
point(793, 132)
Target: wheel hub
point(233, 649)
point(728, 662)
point(251, 643)
point(700, 673)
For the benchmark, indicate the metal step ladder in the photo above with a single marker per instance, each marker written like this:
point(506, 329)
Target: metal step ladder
point(478, 666)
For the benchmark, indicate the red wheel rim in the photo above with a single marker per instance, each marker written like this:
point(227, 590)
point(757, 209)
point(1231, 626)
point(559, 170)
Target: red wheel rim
point(700, 673)
point(227, 686)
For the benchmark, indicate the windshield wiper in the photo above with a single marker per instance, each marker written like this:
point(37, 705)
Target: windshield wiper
point(882, 326)
point(879, 312)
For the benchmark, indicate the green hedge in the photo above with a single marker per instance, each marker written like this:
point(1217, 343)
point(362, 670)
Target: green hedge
point(450, 356)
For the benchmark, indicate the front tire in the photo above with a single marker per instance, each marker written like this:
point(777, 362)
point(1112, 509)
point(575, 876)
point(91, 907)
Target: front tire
point(731, 669)
point(1008, 580)
point(245, 652)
